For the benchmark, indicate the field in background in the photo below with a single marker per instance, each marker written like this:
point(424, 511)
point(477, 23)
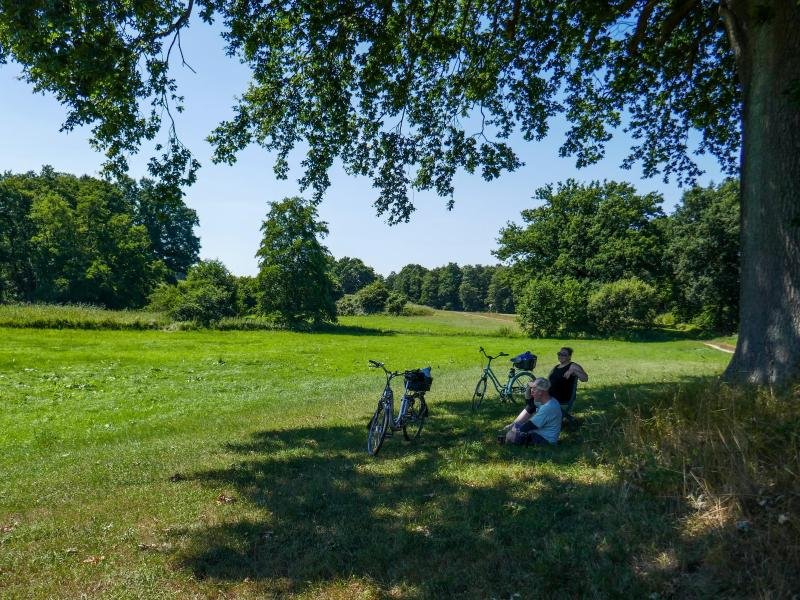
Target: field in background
point(78, 316)
point(171, 464)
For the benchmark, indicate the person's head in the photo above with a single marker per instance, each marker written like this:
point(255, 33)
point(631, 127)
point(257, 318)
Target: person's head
point(540, 388)
point(565, 355)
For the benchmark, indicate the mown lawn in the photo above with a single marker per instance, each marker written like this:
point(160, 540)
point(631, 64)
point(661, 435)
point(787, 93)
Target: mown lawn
point(232, 464)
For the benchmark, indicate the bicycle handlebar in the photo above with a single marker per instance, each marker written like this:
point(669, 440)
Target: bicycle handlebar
point(375, 364)
point(491, 357)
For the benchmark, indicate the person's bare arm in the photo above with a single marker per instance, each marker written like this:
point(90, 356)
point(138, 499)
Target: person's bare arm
point(577, 370)
point(523, 417)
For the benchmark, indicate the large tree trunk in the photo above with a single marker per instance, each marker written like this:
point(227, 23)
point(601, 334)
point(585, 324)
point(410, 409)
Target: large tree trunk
point(767, 41)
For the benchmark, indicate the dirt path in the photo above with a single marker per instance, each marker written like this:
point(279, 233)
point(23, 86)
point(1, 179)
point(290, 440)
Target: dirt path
point(503, 318)
point(721, 346)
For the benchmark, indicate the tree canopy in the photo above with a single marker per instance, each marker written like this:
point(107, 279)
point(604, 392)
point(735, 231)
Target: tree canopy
point(598, 232)
point(436, 84)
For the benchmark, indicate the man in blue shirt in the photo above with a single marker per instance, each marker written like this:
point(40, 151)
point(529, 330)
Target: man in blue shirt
point(534, 426)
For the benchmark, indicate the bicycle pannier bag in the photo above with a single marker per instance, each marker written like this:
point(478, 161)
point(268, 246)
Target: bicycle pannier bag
point(525, 361)
point(419, 380)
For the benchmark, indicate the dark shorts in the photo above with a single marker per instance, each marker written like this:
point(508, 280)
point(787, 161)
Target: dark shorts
point(528, 436)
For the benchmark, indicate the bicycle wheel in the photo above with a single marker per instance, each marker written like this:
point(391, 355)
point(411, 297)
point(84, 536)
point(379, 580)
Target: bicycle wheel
point(479, 394)
point(377, 429)
point(415, 419)
point(518, 385)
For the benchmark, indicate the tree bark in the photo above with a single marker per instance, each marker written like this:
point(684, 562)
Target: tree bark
point(768, 350)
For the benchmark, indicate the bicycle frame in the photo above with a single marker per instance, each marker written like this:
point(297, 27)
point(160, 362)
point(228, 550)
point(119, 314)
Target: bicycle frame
point(384, 422)
point(504, 389)
point(387, 397)
point(512, 390)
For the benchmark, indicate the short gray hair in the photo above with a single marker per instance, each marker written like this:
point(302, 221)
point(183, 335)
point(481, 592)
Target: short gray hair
point(542, 383)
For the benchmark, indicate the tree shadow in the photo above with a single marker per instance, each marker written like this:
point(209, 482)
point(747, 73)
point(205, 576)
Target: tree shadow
point(450, 514)
point(338, 329)
point(665, 334)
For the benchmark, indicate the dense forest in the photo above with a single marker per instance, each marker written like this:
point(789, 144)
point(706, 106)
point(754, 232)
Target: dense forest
point(589, 258)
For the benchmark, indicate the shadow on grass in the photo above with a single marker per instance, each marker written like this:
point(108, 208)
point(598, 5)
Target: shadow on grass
point(338, 329)
point(663, 334)
point(452, 514)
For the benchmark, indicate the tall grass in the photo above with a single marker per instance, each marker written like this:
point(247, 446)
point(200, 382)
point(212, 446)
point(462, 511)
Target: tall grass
point(731, 459)
point(78, 316)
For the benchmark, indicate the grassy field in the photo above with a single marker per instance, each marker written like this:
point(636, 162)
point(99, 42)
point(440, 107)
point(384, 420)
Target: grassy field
point(232, 464)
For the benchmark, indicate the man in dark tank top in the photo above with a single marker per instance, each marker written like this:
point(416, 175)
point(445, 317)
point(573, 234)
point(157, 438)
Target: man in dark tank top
point(565, 376)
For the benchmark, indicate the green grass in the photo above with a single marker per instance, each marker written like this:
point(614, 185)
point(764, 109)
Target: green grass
point(78, 316)
point(441, 322)
point(180, 464)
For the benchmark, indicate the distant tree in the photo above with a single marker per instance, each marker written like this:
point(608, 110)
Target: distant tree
point(348, 306)
point(395, 303)
point(86, 246)
point(449, 283)
point(499, 292)
point(79, 239)
point(551, 306)
point(353, 274)
point(169, 222)
point(429, 290)
point(294, 279)
point(703, 254)
point(409, 282)
point(246, 295)
point(472, 291)
point(17, 275)
point(600, 232)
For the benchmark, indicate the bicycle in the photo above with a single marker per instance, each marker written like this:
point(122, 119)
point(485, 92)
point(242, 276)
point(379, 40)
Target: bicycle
point(513, 390)
point(413, 409)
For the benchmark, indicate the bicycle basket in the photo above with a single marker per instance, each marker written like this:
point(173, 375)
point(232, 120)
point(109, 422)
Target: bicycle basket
point(419, 380)
point(525, 361)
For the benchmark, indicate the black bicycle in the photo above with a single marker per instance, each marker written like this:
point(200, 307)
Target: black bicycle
point(413, 410)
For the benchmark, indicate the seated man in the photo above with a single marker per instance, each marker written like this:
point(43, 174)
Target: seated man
point(540, 428)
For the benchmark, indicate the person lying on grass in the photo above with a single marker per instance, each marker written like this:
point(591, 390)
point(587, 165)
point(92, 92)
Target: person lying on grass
point(534, 426)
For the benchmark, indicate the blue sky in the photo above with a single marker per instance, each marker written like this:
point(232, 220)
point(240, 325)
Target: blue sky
point(231, 201)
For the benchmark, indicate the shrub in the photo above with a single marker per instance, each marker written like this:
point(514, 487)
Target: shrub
point(349, 306)
point(395, 303)
point(623, 304)
point(550, 307)
point(246, 295)
point(373, 297)
point(206, 295)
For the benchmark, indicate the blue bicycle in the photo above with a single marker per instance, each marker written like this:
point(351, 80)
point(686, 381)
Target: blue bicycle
point(520, 376)
point(413, 410)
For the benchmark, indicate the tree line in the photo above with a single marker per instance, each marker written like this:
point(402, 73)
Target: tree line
point(596, 257)
point(80, 239)
point(600, 257)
